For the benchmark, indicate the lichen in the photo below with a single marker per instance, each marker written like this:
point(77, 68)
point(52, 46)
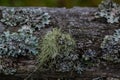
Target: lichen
point(14, 45)
point(6, 66)
point(111, 47)
point(57, 52)
point(18, 43)
point(33, 17)
point(54, 43)
point(67, 63)
point(89, 58)
point(109, 10)
point(89, 55)
point(22, 42)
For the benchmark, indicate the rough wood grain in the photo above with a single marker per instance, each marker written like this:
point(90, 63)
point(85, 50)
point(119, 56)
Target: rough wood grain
point(88, 33)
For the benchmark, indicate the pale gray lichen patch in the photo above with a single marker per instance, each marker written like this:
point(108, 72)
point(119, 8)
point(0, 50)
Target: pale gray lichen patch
point(18, 43)
point(111, 47)
point(33, 17)
point(109, 10)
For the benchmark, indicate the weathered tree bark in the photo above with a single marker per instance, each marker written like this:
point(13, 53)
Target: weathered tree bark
point(88, 33)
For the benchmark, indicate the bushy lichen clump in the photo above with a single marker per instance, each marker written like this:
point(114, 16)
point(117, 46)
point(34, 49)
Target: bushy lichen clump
point(57, 52)
point(111, 47)
point(33, 17)
point(18, 43)
point(54, 43)
point(109, 10)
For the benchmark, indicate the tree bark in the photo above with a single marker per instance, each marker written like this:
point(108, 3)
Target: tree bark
point(88, 33)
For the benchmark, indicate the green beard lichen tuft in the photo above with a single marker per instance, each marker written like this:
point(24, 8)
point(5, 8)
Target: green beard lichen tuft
point(55, 43)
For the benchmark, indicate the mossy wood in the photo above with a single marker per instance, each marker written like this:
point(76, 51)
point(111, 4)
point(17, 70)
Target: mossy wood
point(88, 32)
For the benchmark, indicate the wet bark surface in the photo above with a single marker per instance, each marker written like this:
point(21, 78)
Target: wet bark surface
point(88, 33)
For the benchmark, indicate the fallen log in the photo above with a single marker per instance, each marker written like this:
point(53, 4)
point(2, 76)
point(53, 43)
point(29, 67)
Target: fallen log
point(88, 33)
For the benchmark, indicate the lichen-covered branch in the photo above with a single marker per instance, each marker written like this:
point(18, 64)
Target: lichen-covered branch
point(87, 31)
